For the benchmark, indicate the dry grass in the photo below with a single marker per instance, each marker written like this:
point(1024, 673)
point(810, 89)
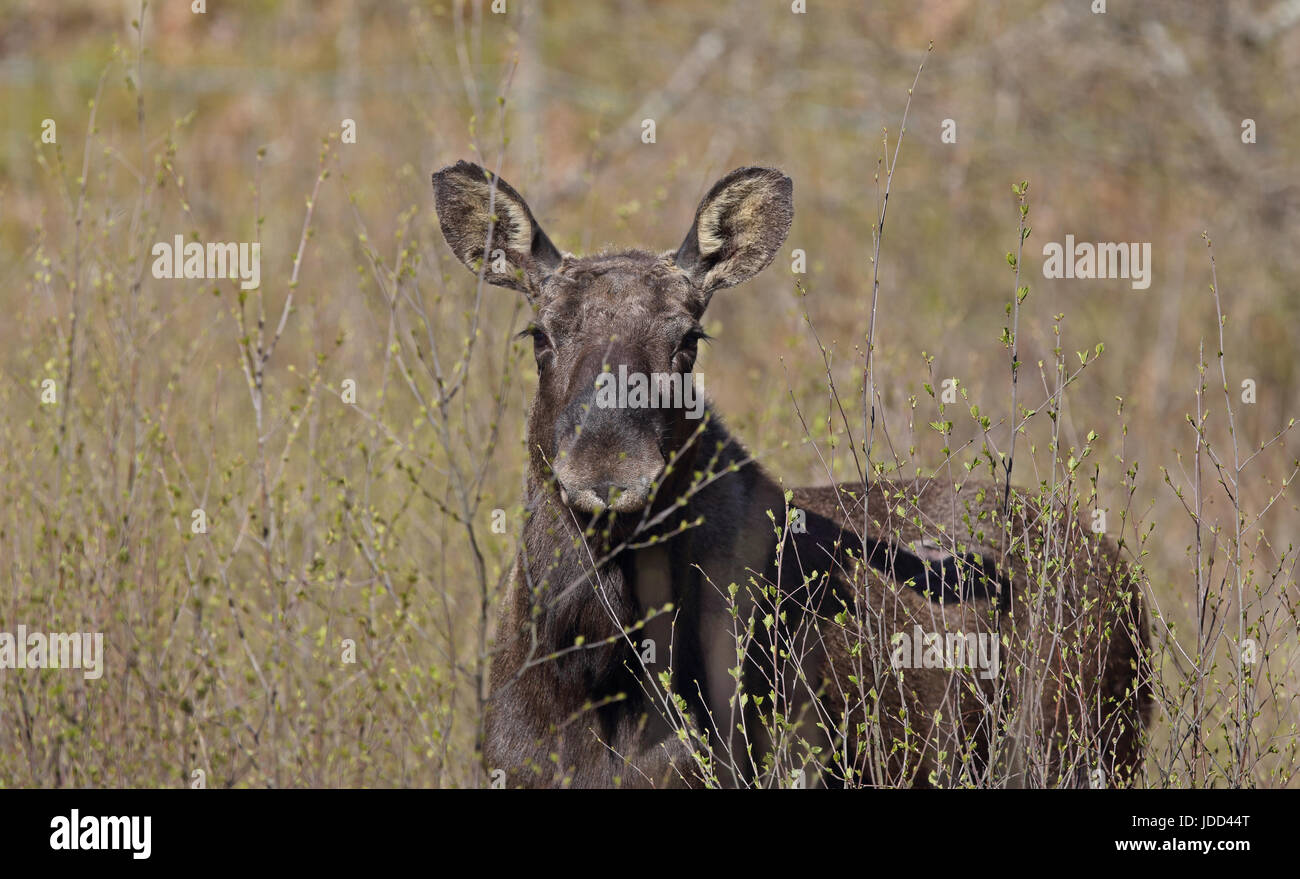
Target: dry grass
point(372, 522)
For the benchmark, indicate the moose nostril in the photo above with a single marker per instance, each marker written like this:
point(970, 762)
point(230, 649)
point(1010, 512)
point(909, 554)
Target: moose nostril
point(605, 490)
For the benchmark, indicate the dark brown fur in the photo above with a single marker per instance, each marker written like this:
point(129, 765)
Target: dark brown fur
point(632, 509)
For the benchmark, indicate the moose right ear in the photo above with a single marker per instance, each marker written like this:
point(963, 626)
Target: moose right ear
point(471, 201)
point(739, 227)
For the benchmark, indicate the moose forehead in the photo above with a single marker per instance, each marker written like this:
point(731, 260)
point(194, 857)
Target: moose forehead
point(633, 289)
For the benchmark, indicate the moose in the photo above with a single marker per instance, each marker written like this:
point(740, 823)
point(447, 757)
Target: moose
point(676, 618)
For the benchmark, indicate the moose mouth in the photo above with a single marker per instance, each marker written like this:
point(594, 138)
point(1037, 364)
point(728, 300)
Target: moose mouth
point(612, 498)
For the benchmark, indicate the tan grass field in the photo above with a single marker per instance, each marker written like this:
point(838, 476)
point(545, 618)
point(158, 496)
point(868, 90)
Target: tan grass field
point(349, 428)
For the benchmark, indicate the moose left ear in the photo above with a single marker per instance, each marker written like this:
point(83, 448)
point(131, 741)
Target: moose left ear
point(739, 227)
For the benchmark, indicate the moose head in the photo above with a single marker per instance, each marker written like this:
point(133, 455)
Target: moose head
point(633, 313)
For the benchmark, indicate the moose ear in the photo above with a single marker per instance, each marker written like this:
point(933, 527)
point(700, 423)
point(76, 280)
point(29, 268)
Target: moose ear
point(471, 201)
point(738, 228)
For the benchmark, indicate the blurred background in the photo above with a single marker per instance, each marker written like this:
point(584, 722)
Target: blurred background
point(334, 519)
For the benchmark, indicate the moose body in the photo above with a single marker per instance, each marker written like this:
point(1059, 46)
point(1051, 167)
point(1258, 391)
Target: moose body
point(675, 619)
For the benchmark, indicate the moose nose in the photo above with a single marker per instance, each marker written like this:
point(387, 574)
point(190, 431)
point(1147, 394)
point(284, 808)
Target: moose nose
point(619, 493)
point(607, 491)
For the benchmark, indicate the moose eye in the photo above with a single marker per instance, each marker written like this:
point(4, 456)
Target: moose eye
point(541, 341)
point(684, 357)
